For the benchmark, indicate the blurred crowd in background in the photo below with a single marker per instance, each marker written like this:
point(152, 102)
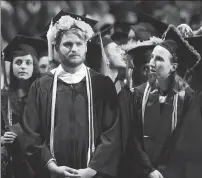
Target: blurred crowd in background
point(30, 17)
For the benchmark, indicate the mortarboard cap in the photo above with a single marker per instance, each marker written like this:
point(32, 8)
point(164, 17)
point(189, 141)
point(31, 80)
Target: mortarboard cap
point(89, 21)
point(105, 35)
point(196, 42)
point(107, 29)
point(121, 30)
point(185, 54)
point(95, 48)
point(147, 26)
point(141, 54)
point(27, 45)
point(123, 26)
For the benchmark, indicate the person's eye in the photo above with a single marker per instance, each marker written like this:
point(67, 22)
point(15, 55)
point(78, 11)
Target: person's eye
point(159, 59)
point(29, 63)
point(79, 44)
point(18, 62)
point(43, 66)
point(68, 44)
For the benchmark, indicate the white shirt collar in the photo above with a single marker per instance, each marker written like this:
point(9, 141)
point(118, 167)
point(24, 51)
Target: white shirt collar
point(68, 77)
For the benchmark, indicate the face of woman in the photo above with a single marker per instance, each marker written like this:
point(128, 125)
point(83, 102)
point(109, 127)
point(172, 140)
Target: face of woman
point(23, 67)
point(160, 63)
point(115, 55)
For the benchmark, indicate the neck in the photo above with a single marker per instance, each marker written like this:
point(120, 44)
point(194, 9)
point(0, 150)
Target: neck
point(112, 73)
point(72, 70)
point(23, 87)
point(164, 84)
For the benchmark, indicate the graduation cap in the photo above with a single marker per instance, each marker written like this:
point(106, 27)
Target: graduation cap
point(196, 76)
point(196, 42)
point(147, 26)
point(123, 26)
point(182, 52)
point(22, 45)
point(141, 54)
point(95, 48)
point(107, 29)
point(89, 21)
point(105, 35)
point(121, 30)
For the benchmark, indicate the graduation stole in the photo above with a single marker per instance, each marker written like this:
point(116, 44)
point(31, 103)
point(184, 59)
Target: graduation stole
point(91, 146)
point(175, 101)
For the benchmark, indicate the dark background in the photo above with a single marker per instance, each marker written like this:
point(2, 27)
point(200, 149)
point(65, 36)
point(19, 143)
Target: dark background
point(30, 17)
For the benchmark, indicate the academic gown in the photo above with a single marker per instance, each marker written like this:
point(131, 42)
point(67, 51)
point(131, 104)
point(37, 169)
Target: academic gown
point(19, 166)
point(186, 158)
point(134, 161)
point(177, 154)
point(71, 124)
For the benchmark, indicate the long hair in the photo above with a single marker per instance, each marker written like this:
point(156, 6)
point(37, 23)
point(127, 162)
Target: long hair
point(14, 81)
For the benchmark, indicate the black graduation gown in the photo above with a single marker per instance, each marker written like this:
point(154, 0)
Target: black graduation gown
point(71, 124)
point(186, 158)
point(19, 166)
point(134, 161)
point(175, 154)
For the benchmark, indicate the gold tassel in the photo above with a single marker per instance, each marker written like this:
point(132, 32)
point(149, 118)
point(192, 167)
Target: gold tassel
point(105, 61)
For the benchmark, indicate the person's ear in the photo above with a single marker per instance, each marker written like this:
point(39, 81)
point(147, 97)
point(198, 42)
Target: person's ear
point(174, 67)
point(86, 47)
point(56, 47)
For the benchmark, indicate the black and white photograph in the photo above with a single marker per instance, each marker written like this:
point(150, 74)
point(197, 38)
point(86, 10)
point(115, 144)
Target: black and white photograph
point(101, 89)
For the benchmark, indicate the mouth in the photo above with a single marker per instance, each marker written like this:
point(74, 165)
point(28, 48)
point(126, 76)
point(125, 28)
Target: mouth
point(74, 56)
point(22, 73)
point(152, 71)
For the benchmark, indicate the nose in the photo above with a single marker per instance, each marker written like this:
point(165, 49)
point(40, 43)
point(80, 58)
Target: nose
point(23, 65)
point(152, 64)
point(74, 48)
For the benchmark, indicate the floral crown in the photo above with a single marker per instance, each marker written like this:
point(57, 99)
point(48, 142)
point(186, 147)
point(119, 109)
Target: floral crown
point(65, 23)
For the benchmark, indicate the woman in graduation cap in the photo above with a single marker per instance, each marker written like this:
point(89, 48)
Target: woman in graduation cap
point(110, 57)
point(156, 109)
point(22, 53)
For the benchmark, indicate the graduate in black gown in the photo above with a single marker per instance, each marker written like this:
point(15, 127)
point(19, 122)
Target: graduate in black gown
point(110, 57)
point(72, 112)
point(156, 110)
point(22, 52)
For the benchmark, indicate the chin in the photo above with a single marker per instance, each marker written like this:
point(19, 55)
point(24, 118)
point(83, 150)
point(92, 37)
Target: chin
point(23, 78)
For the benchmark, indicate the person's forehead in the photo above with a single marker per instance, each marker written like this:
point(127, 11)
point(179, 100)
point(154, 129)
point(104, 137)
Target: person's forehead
point(161, 51)
point(71, 37)
point(44, 59)
point(24, 57)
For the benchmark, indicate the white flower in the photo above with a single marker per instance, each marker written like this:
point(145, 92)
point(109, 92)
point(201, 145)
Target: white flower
point(65, 23)
point(85, 28)
point(133, 44)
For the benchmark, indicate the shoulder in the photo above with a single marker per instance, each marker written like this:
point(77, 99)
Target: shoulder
point(44, 83)
point(100, 80)
point(139, 90)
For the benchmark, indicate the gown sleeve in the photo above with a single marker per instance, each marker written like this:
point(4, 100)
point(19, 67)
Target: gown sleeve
point(36, 149)
point(107, 153)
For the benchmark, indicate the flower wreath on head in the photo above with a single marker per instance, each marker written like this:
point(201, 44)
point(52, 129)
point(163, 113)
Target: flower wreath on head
point(63, 24)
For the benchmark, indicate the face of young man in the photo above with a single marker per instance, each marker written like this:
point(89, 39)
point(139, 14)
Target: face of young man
point(44, 65)
point(72, 50)
point(115, 55)
point(23, 67)
point(160, 64)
